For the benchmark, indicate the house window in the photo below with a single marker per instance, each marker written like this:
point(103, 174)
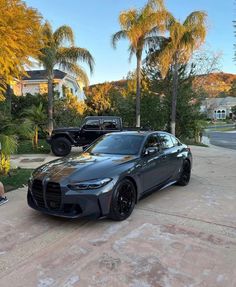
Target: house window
point(223, 114)
point(220, 114)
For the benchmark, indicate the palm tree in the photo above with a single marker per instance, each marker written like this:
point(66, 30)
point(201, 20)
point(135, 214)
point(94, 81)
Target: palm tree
point(55, 53)
point(8, 142)
point(37, 119)
point(184, 39)
point(141, 28)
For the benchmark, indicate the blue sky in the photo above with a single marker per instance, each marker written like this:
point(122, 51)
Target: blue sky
point(94, 21)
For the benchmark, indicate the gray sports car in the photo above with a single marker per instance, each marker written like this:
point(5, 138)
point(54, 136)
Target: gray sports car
point(110, 176)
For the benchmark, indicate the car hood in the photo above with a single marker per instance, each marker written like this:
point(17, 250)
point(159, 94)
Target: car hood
point(83, 167)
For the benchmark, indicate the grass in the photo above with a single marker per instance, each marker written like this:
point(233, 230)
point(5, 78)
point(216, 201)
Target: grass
point(25, 147)
point(219, 123)
point(223, 129)
point(16, 178)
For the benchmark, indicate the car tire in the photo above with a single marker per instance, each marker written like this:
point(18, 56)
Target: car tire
point(185, 174)
point(61, 146)
point(123, 200)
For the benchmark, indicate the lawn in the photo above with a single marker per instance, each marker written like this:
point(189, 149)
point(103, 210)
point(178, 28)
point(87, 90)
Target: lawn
point(25, 147)
point(17, 178)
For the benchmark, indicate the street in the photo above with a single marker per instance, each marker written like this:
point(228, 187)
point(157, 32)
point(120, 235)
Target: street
point(223, 139)
point(180, 236)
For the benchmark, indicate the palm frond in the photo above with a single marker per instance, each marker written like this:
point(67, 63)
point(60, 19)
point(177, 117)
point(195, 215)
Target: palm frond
point(196, 18)
point(128, 18)
point(36, 114)
point(75, 54)
point(156, 4)
point(77, 71)
point(8, 144)
point(118, 36)
point(63, 33)
point(47, 33)
point(155, 42)
point(131, 52)
point(47, 58)
point(26, 129)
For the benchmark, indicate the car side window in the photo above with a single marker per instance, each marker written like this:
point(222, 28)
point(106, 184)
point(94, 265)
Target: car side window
point(175, 141)
point(165, 141)
point(152, 141)
point(110, 125)
point(92, 125)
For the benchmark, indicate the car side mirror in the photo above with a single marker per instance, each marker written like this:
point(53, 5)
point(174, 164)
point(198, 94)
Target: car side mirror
point(151, 151)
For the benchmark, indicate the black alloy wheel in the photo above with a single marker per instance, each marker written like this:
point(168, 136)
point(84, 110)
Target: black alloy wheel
point(186, 174)
point(123, 200)
point(61, 146)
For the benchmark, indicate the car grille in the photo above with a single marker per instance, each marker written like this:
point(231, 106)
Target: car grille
point(52, 194)
point(37, 192)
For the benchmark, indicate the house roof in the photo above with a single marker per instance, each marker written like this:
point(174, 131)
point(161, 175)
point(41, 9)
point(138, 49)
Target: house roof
point(227, 101)
point(41, 75)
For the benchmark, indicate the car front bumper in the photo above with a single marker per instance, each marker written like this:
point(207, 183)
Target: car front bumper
point(64, 202)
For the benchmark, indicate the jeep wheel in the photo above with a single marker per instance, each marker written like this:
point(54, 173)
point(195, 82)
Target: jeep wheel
point(61, 146)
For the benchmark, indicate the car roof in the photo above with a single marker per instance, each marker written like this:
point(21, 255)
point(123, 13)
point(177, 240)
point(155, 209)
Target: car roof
point(102, 117)
point(141, 132)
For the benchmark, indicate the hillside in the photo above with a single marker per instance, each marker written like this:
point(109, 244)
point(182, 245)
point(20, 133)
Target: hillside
point(215, 83)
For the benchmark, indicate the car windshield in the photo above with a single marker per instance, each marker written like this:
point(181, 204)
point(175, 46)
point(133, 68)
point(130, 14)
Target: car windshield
point(121, 144)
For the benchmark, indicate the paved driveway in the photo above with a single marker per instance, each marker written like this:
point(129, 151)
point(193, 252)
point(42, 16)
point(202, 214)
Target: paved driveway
point(181, 236)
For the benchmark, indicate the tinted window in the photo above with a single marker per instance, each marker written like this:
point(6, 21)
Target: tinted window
point(152, 141)
point(165, 141)
point(175, 141)
point(110, 125)
point(92, 125)
point(121, 144)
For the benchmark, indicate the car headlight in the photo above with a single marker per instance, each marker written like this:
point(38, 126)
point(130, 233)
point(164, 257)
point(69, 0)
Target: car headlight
point(30, 180)
point(89, 184)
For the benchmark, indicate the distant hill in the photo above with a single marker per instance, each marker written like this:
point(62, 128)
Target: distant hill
point(215, 83)
point(117, 84)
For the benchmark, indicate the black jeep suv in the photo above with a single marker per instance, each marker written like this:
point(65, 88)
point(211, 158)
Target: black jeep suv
point(62, 139)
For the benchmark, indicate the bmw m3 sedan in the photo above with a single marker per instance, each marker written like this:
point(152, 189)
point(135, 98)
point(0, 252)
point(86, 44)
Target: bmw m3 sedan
point(110, 176)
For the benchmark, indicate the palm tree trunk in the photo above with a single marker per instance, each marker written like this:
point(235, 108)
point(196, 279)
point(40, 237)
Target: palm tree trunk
point(174, 97)
point(50, 103)
point(138, 90)
point(36, 136)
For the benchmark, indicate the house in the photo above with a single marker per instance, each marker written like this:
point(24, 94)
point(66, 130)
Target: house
point(218, 108)
point(36, 83)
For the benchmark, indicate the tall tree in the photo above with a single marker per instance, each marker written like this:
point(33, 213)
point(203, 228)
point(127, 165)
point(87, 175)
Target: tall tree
point(55, 53)
point(20, 39)
point(141, 27)
point(184, 39)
